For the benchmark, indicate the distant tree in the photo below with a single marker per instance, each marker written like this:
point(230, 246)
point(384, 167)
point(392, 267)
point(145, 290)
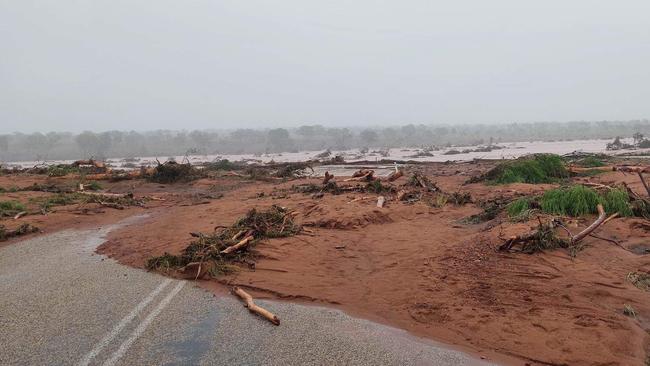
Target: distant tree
point(4, 143)
point(638, 137)
point(87, 142)
point(279, 140)
point(369, 136)
point(202, 139)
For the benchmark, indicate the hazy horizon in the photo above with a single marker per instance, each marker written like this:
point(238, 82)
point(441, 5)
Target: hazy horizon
point(149, 65)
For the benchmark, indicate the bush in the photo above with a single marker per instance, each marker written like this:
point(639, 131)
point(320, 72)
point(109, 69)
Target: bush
point(518, 207)
point(617, 200)
point(590, 162)
point(10, 208)
point(540, 168)
point(579, 200)
point(574, 201)
point(172, 172)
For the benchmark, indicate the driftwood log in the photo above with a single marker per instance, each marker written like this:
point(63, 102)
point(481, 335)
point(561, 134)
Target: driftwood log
point(248, 302)
point(233, 248)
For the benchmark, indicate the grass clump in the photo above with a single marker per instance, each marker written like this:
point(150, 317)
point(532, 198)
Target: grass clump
point(273, 223)
point(539, 168)
point(590, 162)
point(61, 170)
point(10, 208)
point(573, 201)
point(579, 200)
point(617, 200)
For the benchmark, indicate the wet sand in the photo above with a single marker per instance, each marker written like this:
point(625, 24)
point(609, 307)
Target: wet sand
point(416, 267)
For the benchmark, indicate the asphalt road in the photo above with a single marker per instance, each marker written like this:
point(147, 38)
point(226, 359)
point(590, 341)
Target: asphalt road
point(62, 304)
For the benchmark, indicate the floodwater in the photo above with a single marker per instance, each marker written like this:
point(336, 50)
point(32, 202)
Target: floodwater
point(505, 151)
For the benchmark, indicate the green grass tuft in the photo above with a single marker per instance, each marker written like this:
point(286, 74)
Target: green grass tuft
point(10, 208)
point(590, 162)
point(540, 168)
point(617, 200)
point(573, 201)
point(579, 200)
point(518, 207)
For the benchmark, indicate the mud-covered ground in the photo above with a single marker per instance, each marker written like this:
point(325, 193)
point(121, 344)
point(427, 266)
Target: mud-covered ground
point(412, 265)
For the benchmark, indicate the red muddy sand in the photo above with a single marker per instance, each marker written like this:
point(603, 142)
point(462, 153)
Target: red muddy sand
point(414, 266)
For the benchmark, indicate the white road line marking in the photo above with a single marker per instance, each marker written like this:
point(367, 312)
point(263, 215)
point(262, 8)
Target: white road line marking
point(123, 323)
point(143, 326)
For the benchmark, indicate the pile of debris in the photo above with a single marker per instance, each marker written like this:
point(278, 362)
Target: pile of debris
point(24, 229)
point(213, 253)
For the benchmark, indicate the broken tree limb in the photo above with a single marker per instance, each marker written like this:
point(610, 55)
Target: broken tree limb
point(238, 246)
point(631, 169)
point(111, 195)
point(248, 302)
point(380, 201)
point(613, 216)
point(361, 175)
point(20, 214)
point(599, 221)
point(645, 185)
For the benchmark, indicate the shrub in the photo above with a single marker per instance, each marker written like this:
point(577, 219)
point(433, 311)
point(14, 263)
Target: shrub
point(539, 168)
point(10, 208)
point(574, 201)
point(518, 207)
point(590, 162)
point(617, 200)
point(579, 200)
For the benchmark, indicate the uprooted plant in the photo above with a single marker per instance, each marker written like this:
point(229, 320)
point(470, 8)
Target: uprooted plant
point(215, 253)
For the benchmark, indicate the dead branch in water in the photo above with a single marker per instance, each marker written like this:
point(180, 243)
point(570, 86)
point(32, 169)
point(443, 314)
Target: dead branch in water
point(248, 302)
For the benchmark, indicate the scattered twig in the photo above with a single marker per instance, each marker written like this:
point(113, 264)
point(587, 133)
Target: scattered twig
point(248, 302)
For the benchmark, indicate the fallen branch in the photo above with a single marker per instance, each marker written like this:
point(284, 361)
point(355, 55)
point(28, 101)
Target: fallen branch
point(395, 175)
point(632, 169)
point(380, 201)
point(361, 175)
point(238, 246)
point(20, 214)
point(248, 302)
point(599, 221)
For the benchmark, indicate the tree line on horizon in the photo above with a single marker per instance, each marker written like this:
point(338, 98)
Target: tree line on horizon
point(128, 144)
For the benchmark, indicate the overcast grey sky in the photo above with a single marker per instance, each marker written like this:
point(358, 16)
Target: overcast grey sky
point(112, 64)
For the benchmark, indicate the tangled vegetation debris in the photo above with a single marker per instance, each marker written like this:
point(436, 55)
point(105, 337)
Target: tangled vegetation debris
point(23, 229)
point(172, 172)
point(231, 244)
